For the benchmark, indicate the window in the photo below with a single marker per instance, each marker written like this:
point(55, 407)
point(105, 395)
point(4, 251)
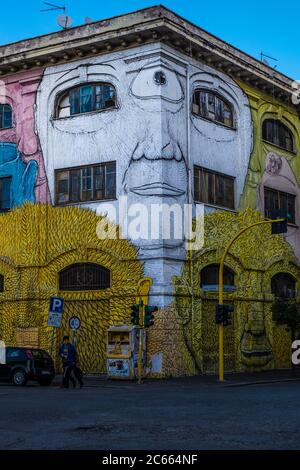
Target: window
point(84, 276)
point(85, 99)
point(88, 183)
point(211, 106)
point(1, 283)
point(276, 133)
point(278, 200)
point(5, 116)
point(213, 188)
point(5, 198)
point(283, 286)
point(209, 277)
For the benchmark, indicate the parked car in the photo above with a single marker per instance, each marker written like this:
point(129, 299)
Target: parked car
point(23, 364)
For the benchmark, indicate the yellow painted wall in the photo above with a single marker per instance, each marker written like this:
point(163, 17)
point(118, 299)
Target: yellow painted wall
point(37, 241)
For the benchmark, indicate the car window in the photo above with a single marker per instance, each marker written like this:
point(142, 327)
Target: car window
point(13, 354)
point(39, 354)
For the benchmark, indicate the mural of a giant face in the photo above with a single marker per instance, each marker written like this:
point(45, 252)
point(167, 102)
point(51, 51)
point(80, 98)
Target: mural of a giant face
point(149, 132)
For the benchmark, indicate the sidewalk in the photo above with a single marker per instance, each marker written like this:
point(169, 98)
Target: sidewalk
point(231, 380)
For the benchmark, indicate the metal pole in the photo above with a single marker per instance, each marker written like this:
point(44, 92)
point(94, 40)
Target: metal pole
point(142, 324)
point(52, 341)
point(221, 289)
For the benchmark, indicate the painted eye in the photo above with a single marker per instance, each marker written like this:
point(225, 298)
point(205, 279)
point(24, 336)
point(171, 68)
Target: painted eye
point(157, 84)
point(160, 78)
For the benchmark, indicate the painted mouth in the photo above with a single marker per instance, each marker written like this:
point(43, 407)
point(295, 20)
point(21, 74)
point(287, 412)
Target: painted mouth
point(157, 189)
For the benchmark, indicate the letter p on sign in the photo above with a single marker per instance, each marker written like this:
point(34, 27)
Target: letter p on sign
point(56, 305)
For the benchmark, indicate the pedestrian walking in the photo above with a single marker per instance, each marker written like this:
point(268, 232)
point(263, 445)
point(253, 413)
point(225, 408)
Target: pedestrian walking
point(67, 352)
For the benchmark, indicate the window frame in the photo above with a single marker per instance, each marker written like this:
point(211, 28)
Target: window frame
point(279, 192)
point(291, 278)
point(80, 190)
point(214, 175)
point(7, 178)
point(227, 271)
point(274, 144)
point(2, 112)
point(84, 288)
point(66, 94)
point(222, 99)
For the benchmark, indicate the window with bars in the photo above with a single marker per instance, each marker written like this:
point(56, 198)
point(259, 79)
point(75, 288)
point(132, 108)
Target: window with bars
point(84, 184)
point(5, 116)
point(209, 276)
point(278, 200)
point(211, 106)
point(283, 286)
point(84, 276)
point(86, 99)
point(277, 133)
point(213, 188)
point(5, 194)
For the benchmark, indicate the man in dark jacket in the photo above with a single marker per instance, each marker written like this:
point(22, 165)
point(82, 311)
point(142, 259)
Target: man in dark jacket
point(67, 353)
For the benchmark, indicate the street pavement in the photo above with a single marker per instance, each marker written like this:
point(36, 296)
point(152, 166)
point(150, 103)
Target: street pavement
point(245, 412)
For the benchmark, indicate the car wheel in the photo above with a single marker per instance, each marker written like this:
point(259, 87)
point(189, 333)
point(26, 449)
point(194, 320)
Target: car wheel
point(19, 378)
point(45, 382)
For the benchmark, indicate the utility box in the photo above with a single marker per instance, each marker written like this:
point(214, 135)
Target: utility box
point(123, 351)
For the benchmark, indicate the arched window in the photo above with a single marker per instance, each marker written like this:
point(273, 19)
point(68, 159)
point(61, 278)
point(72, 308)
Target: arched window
point(1, 283)
point(84, 276)
point(211, 106)
point(209, 278)
point(86, 99)
point(277, 133)
point(5, 116)
point(283, 286)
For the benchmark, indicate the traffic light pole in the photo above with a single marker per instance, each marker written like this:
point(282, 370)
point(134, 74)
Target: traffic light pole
point(221, 289)
point(142, 324)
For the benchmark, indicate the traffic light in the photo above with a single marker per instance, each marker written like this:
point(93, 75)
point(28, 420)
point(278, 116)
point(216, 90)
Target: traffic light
point(223, 314)
point(135, 314)
point(279, 227)
point(219, 314)
point(149, 317)
point(227, 311)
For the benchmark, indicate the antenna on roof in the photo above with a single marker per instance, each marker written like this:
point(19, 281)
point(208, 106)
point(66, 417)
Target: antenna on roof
point(54, 7)
point(264, 57)
point(64, 21)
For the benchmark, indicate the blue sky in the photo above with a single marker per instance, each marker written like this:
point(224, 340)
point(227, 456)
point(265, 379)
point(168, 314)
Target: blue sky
point(255, 26)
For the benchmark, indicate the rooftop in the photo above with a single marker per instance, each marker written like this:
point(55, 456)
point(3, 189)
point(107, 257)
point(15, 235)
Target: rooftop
point(149, 25)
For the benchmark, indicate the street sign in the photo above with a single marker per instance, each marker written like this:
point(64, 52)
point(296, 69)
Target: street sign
point(55, 312)
point(74, 323)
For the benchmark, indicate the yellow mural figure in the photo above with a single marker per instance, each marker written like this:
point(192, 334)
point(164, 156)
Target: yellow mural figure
point(38, 243)
point(252, 342)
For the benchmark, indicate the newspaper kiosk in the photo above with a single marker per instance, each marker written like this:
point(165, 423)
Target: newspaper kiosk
point(123, 351)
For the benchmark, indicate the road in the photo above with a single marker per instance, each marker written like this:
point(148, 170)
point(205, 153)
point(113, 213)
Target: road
point(174, 414)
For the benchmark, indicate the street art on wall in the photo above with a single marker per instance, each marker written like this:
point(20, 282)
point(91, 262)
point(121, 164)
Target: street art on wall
point(22, 176)
point(20, 153)
point(270, 165)
point(39, 241)
point(151, 134)
point(186, 334)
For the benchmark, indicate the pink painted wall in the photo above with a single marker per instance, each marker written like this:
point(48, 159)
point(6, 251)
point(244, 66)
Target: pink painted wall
point(19, 90)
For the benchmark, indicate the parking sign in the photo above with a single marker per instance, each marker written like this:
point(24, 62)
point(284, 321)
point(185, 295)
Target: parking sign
point(55, 312)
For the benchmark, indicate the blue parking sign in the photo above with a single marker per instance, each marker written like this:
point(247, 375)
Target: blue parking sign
point(56, 305)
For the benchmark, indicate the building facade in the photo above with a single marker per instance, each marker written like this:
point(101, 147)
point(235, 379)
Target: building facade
point(134, 126)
